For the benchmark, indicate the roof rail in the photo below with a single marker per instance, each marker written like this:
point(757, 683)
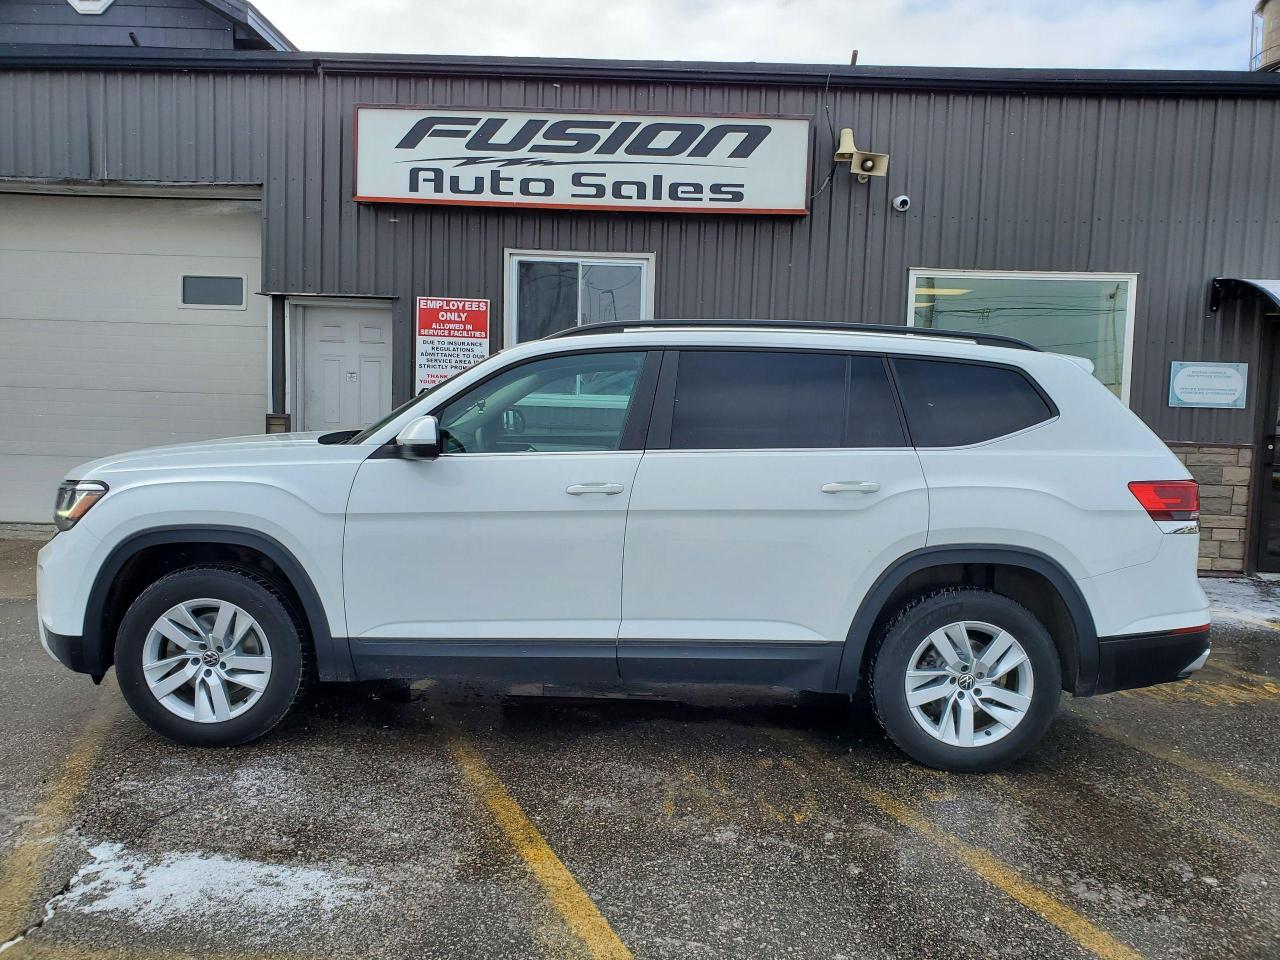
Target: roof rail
point(985, 339)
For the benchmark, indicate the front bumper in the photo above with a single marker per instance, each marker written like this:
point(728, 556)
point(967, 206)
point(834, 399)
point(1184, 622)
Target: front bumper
point(62, 566)
point(67, 650)
point(1144, 659)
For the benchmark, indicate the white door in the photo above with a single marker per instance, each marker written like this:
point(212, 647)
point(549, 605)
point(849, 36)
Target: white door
point(786, 477)
point(124, 323)
point(346, 365)
point(516, 531)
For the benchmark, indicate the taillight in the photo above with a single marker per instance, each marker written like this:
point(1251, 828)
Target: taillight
point(1168, 499)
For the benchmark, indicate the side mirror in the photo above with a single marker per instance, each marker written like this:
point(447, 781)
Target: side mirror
point(420, 439)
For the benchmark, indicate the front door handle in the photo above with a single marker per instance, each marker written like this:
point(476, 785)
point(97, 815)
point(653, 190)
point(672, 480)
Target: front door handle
point(851, 486)
point(578, 489)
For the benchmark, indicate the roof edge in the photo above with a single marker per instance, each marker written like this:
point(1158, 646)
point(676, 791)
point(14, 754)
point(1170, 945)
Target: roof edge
point(932, 79)
point(246, 15)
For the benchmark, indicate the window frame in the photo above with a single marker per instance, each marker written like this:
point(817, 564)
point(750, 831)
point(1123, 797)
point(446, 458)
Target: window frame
point(244, 292)
point(1131, 301)
point(635, 428)
point(510, 285)
point(663, 413)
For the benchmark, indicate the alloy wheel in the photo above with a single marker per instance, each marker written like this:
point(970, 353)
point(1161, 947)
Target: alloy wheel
point(969, 683)
point(206, 660)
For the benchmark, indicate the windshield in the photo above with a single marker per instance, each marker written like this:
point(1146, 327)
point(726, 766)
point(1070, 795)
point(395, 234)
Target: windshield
point(370, 430)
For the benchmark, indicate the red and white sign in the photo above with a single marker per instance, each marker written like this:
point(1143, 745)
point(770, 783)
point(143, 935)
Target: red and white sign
point(453, 334)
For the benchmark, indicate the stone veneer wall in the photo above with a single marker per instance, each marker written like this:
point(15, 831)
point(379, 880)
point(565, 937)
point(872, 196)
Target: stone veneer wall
point(1224, 472)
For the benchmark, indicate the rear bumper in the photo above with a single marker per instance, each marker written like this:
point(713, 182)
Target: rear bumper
point(1143, 659)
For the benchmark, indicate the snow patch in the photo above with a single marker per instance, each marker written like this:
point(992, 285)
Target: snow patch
point(1241, 599)
point(159, 891)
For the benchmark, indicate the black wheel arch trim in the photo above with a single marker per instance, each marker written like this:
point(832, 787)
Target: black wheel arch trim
point(333, 659)
point(1084, 682)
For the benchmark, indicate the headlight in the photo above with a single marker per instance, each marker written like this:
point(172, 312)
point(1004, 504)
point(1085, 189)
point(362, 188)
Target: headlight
point(75, 497)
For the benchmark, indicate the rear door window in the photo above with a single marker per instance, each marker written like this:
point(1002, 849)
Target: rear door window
point(953, 403)
point(761, 400)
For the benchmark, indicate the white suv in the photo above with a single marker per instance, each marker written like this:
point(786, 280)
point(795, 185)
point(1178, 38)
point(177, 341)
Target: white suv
point(961, 525)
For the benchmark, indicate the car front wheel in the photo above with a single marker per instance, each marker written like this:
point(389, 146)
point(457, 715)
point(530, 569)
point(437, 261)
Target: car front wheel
point(211, 656)
point(965, 680)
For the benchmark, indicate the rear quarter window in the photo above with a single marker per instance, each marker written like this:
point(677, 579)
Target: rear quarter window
point(953, 403)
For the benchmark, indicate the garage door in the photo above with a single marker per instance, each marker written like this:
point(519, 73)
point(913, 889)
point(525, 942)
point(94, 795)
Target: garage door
point(118, 330)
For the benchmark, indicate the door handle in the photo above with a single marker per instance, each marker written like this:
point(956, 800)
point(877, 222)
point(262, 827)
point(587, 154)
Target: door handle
point(851, 486)
point(578, 489)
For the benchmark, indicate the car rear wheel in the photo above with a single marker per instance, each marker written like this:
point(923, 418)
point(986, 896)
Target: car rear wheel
point(211, 656)
point(965, 680)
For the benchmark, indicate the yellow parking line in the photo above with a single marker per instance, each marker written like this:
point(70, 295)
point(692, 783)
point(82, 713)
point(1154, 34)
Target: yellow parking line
point(1003, 878)
point(1260, 678)
point(25, 863)
point(566, 895)
point(1232, 692)
point(1202, 768)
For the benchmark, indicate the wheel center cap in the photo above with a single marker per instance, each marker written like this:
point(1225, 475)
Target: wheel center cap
point(210, 658)
point(966, 682)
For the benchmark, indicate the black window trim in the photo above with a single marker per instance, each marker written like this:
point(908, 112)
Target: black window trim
point(639, 412)
point(664, 401)
point(1054, 412)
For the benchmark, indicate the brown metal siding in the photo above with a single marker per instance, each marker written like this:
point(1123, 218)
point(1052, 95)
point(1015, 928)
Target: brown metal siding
point(1178, 190)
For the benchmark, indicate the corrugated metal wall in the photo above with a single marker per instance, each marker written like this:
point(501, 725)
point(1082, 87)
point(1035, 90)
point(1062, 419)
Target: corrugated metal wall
point(1178, 190)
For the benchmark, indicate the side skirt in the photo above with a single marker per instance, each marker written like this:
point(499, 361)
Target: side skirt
point(517, 661)
point(800, 666)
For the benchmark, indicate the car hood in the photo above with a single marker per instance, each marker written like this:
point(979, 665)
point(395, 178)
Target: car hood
point(228, 450)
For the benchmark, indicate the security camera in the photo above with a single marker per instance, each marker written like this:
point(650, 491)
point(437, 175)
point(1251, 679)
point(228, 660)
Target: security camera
point(902, 203)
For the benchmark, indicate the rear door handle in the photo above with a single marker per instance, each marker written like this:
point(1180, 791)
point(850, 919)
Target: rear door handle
point(578, 489)
point(851, 486)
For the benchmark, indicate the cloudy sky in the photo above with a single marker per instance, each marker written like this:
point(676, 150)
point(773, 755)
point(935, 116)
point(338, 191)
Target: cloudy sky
point(1176, 34)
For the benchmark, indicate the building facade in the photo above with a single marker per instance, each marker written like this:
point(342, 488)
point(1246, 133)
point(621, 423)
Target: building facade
point(188, 246)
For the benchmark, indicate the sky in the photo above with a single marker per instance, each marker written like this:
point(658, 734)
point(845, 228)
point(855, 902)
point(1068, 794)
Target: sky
point(1147, 34)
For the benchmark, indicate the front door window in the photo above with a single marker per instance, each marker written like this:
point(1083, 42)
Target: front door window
point(576, 403)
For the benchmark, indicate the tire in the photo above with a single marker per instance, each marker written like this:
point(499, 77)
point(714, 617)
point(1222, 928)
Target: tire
point(1007, 716)
point(203, 629)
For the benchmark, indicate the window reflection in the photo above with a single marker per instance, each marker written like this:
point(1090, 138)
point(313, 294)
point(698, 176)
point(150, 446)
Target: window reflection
point(1083, 317)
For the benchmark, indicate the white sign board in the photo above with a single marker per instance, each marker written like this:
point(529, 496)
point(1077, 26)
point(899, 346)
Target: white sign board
point(1221, 385)
point(453, 334)
point(583, 161)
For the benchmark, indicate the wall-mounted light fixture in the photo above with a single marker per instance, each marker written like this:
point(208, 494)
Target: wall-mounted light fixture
point(861, 162)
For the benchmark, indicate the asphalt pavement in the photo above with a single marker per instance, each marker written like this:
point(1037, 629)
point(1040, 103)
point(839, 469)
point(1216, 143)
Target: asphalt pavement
point(460, 821)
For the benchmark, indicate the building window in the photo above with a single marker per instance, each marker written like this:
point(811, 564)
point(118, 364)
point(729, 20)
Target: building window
point(549, 292)
point(1086, 315)
point(225, 292)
